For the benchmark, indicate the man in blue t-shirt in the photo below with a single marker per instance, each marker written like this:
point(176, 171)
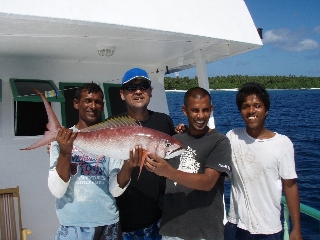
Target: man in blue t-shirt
point(84, 185)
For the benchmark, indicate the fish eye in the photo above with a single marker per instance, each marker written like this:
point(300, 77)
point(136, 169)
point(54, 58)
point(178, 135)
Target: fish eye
point(167, 144)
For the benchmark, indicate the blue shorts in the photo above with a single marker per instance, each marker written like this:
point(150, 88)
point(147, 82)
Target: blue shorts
point(149, 233)
point(108, 232)
point(232, 232)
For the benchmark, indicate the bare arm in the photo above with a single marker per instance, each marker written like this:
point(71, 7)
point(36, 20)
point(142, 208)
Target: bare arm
point(204, 181)
point(290, 187)
point(65, 140)
point(124, 175)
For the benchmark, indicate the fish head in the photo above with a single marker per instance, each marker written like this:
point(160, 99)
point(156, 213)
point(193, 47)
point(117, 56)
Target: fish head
point(169, 148)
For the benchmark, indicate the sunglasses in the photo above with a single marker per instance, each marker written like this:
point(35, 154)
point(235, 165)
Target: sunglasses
point(131, 87)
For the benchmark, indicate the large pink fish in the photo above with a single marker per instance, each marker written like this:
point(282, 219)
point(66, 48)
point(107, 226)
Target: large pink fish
point(113, 138)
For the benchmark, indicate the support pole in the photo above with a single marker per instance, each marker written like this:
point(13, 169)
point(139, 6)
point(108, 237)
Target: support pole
point(203, 80)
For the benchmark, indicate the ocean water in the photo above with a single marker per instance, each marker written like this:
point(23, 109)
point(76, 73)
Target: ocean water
point(294, 113)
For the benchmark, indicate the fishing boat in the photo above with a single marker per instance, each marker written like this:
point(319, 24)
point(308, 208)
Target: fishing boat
point(56, 46)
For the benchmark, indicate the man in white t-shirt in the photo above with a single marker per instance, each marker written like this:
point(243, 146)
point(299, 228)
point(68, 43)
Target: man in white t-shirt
point(262, 162)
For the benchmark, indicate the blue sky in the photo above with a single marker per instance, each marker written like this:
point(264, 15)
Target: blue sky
point(291, 42)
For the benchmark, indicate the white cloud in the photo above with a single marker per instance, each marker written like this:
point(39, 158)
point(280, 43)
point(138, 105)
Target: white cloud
point(306, 44)
point(290, 41)
point(275, 36)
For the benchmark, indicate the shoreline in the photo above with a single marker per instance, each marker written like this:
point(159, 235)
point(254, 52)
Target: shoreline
point(236, 89)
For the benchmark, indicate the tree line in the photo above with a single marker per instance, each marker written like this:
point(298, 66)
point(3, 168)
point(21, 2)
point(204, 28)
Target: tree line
point(235, 81)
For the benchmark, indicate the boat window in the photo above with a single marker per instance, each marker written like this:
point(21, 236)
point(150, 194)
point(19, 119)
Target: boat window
point(30, 117)
point(69, 114)
point(114, 103)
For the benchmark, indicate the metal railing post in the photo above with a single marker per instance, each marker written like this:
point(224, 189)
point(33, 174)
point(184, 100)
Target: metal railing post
point(286, 223)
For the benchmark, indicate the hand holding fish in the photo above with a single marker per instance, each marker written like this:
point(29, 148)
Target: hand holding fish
point(135, 160)
point(65, 138)
point(135, 157)
point(159, 166)
point(48, 148)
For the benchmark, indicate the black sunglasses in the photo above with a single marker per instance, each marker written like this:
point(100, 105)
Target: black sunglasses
point(131, 87)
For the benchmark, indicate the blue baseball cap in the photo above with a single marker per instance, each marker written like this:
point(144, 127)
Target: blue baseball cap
point(135, 73)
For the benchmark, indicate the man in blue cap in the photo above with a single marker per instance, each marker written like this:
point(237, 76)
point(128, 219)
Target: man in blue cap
point(140, 206)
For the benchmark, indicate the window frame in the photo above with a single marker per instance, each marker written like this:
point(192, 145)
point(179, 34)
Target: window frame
point(106, 87)
point(39, 125)
point(35, 97)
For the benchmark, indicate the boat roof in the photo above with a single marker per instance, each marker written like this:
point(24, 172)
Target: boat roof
point(164, 34)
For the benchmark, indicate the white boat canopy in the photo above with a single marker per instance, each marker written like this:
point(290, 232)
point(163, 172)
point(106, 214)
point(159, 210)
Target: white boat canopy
point(165, 35)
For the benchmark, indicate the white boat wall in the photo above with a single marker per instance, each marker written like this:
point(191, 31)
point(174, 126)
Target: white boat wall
point(60, 40)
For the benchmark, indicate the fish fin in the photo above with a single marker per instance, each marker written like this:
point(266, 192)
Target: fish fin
point(47, 138)
point(53, 122)
point(143, 159)
point(53, 126)
point(112, 123)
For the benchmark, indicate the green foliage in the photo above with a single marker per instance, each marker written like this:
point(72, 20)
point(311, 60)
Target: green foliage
point(235, 81)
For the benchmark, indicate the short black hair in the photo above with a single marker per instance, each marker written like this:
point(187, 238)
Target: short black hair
point(196, 92)
point(90, 87)
point(251, 88)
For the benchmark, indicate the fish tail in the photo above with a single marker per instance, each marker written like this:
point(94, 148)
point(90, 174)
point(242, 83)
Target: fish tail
point(53, 126)
point(143, 159)
point(47, 138)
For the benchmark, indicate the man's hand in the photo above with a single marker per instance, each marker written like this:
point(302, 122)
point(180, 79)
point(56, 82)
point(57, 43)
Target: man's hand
point(48, 148)
point(135, 159)
point(181, 128)
point(65, 138)
point(157, 165)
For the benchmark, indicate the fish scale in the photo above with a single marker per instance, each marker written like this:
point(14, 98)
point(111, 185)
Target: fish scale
point(117, 142)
